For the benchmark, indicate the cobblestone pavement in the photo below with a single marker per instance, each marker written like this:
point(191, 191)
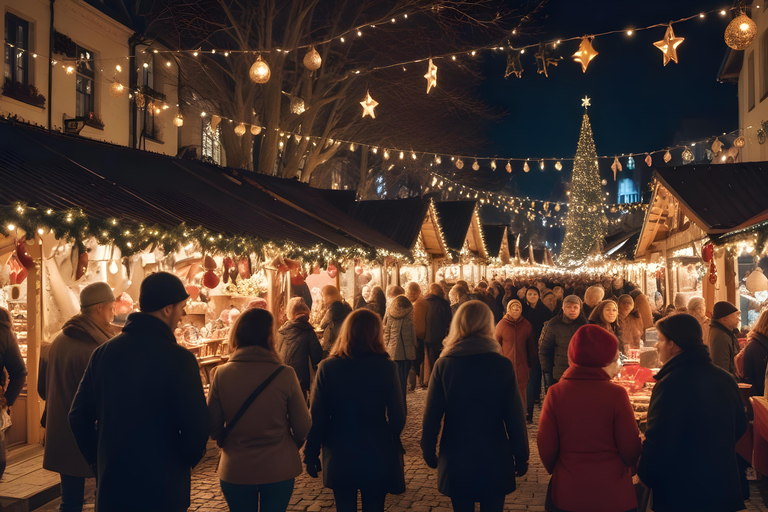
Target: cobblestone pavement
point(421, 493)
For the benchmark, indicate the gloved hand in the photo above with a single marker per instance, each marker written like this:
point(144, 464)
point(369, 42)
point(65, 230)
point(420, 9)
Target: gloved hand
point(313, 467)
point(548, 380)
point(521, 468)
point(430, 459)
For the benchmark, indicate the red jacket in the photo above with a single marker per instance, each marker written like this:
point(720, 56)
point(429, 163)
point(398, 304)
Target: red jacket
point(518, 346)
point(588, 440)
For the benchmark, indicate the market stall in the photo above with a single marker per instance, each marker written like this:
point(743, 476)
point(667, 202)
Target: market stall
point(463, 232)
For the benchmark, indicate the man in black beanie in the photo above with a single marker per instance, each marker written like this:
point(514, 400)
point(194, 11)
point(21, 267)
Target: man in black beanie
point(139, 416)
point(723, 345)
point(695, 418)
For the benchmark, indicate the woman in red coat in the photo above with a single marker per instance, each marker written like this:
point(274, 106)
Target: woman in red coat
point(514, 334)
point(588, 438)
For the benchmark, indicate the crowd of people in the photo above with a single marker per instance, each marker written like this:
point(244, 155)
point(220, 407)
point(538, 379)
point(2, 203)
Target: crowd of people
point(482, 352)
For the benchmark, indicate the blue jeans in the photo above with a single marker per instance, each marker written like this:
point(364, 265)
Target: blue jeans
point(72, 493)
point(403, 367)
point(265, 497)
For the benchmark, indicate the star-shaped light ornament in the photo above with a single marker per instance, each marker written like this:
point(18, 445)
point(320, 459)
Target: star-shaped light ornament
point(585, 54)
point(669, 44)
point(431, 76)
point(585, 102)
point(368, 105)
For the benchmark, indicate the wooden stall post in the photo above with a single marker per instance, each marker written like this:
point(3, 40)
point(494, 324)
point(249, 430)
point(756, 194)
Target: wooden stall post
point(34, 332)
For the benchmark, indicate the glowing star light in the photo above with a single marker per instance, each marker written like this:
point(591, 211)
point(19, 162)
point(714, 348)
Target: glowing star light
point(431, 76)
point(669, 44)
point(585, 54)
point(368, 105)
point(585, 102)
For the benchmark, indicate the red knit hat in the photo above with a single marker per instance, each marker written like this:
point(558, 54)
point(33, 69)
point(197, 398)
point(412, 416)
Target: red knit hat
point(592, 346)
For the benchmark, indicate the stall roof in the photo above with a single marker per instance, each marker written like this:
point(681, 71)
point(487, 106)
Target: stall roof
point(49, 169)
point(400, 220)
point(722, 197)
point(496, 241)
point(461, 223)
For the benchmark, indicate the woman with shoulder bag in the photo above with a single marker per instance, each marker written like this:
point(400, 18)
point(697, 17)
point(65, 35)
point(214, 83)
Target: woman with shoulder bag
point(259, 417)
point(357, 418)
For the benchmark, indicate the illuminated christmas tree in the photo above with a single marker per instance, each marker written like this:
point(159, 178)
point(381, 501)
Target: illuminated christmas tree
point(586, 222)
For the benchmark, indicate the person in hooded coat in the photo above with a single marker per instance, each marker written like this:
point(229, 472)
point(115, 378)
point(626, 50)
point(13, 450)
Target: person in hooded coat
point(60, 374)
point(299, 347)
point(513, 333)
point(588, 437)
point(11, 362)
point(473, 396)
point(400, 338)
point(695, 418)
point(334, 316)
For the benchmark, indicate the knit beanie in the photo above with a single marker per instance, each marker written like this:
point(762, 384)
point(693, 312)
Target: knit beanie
point(593, 347)
point(722, 309)
point(682, 329)
point(159, 290)
point(96, 293)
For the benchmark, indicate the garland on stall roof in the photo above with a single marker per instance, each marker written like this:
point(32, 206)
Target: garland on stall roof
point(132, 237)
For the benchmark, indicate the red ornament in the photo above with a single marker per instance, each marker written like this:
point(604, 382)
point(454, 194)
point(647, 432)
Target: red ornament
point(209, 263)
point(82, 261)
point(359, 271)
point(332, 271)
point(228, 263)
point(708, 252)
point(244, 267)
point(21, 252)
point(297, 277)
point(193, 291)
point(712, 273)
point(210, 280)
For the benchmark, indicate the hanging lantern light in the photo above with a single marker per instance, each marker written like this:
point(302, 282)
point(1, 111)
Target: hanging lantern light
point(312, 60)
point(687, 156)
point(255, 129)
point(70, 70)
point(739, 142)
point(178, 121)
point(740, 32)
point(559, 166)
point(475, 166)
point(525, 167)
point(116, 89)
point(493, 165)
point(459, 164)
point(541, 165)
point(260, 71)
point(240, 130)
point(631, 163)
point(508, 167)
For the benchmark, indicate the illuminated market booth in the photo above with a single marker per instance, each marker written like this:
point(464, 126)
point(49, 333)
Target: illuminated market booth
point(460, 222)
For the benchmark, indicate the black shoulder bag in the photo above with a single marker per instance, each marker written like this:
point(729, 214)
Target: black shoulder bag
point(256, 392)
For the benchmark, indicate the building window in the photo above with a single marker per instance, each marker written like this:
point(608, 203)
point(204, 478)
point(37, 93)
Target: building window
point(211, 145)
point(85, 84)
point(751, 81)
point(16, 56)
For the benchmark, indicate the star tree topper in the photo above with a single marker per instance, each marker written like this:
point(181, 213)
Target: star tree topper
point(669, 44)
point(585, 102)
point(368, 105)
point(431, 76)
point(585, 54)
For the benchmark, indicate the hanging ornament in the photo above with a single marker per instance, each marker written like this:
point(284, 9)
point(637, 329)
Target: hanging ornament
point(140, 100)
point(386, 154)
point(297, 105)
point(116, 89)
point(630, 163)
point(604, 182)
point(740, 32)
point(438, 160)
point(585, 54)
point(493, 165)
point(475, 166)
point(525, 167)
point(557, 207)
point(712, 272)
point(352, 147)
point(648, 160)
point(259, 71)
point(508, 167)
point(687, 156)
point(514, 67)
point(255, 129)
point(667, 157)
point(459, 164)
point(716, 146)
point(558, 166)
point(615, 167)
point(544, 59)
point(669, 44)
point(215, 120)
point(178, 121)
point(541, 165)
point(240, 130)
point(368, 105)
point(312, 60)
point(739, 142)
point(708, 252)
point(431, 76)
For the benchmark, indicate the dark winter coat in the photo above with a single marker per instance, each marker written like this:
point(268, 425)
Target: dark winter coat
point(438, 320)
point(300, 348)
point(12, 362)
point(332, 321)
point(695, 418)
point(379, 309)
point(400, 332)
point(589, 442)
point(60, 374)
point(473, 394)
point(755, 362)
point(537, 316)
point(554, 342)
point(357, 417)
point(140, 416)
point(723, 346)
point(518, 346)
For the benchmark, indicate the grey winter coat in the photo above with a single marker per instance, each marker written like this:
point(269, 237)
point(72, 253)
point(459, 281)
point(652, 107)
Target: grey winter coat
point(300, 349)
point(554, 341)
point(400, 333)
point(60, 374)
point(723, 346)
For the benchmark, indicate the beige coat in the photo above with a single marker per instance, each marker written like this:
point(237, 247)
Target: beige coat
point(60, 375)
point(264, 446)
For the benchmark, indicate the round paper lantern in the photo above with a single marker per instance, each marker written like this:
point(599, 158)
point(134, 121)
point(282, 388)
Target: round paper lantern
point(740, 32)
point(255, 130)
point(260, 72)
point(312, 60)
point(757, 282)
point(739, 142)
point(240, 130)
point(178, 121)
point(116, 89)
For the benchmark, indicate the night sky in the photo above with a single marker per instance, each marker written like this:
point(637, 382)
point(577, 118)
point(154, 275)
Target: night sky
point(638, 104)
